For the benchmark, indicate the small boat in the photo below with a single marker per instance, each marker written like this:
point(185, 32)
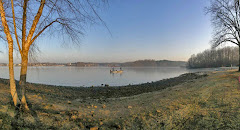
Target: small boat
point(116, 71)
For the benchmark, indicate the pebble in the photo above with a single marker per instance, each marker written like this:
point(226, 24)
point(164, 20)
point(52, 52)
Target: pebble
point(104, 106)
point(129, 107)
point(94, 128)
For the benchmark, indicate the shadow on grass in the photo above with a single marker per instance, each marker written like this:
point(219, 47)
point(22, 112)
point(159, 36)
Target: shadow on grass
point(21, 118)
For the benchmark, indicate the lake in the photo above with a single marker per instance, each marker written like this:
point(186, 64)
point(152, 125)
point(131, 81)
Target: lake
point(96, 76)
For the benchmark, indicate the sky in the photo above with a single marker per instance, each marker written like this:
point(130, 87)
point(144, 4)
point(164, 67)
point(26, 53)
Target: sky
point(140, 29)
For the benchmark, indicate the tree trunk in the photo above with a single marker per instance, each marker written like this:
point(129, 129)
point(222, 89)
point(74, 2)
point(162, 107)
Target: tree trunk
point(22, 82)
point(239, 58)
point(13, 89)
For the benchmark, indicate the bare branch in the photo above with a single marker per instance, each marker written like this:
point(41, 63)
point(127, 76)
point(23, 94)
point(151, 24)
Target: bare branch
point(99, 18)
point(15, 28)
point(225, 20)
point(35, 37)
point(34, 25)
point(24, 19)
point(5, 24)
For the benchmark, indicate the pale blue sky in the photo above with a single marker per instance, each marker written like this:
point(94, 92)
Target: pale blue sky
point(141, 29)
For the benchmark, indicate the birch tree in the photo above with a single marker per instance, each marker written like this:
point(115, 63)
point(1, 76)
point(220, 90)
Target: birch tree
point(10, 54)
point(27, 20)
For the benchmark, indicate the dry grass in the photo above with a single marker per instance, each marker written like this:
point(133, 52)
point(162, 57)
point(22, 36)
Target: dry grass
point(207, 103)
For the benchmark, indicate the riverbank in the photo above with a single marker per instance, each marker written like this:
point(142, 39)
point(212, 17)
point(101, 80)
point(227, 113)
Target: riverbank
point(190, 101)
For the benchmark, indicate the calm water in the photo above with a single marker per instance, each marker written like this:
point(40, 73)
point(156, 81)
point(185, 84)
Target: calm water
point(84, 76)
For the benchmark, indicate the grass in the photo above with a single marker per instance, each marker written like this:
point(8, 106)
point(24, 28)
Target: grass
point(210, 102)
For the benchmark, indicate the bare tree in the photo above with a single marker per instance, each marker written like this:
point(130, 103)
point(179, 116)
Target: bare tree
point(225, 16)
point(227, 57)
point(10, 54)
point(27, 20)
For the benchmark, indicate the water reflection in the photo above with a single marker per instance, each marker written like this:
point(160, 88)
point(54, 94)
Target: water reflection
point(96, 76)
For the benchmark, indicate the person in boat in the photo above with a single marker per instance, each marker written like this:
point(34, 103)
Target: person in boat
point(112, 70)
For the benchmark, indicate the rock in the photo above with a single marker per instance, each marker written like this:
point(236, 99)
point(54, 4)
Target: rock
point(74, 117)
point(79, 100)
point(96, 100)
point(81, 125)
point(62, 112)
point(104, 106)
point(35, 96)
point(94, 128)
point(150, 115)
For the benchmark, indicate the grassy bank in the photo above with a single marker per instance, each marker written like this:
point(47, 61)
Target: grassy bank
point(190, 101)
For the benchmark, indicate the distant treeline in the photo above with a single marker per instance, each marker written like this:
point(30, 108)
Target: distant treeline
point(223, 57)
point(138, 63)
point(153, 63)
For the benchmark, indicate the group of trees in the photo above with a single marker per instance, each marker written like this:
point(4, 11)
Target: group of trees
point(153, 63)
point(24, 21)
point(225, 17)
point(226, 57)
